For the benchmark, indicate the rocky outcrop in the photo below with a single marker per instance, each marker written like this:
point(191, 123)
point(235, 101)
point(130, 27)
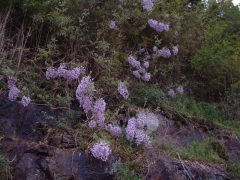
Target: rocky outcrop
point(37, 152)
point(34, 155)
point(167, 168)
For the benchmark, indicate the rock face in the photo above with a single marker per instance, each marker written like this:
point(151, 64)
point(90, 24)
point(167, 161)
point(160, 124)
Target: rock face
point(167, 168)
point(34, 155)
point(36, 161)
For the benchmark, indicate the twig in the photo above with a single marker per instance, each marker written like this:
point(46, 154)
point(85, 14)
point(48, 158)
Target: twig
point(12, 159)
point(72, 166)
point(183, 166)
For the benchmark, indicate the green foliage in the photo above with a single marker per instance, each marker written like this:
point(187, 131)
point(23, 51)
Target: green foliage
point(190, 107)
point(184, 110)
point(200, 150)
point(146, 95)
point(61, 119)
point(233, 169)
point(230, 101)
point(220, 149)
point(216, 61)
point(127, 172)
point(4, 168)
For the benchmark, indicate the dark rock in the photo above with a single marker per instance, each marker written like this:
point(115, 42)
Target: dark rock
point(76, 165)
point(55, 141)
point(233, 148)
point(68, 141)
point(180, 136)
point(167, 168)
point(27, 168)
point(39, 149)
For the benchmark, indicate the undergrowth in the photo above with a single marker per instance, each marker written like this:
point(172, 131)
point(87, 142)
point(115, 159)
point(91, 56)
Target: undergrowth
point(4, 168)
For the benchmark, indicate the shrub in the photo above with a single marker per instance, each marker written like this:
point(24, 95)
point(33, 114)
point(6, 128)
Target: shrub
point(4, 168)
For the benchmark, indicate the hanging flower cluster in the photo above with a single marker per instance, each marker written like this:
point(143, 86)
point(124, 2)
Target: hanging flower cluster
point(98, 111)
point(123, 90)
point(164, 52)
point(25, 101)
point(148, 4)
point(140, 73)
point(158, 26)
point(139, 128)
point(13, 90)
point(101, 150)
point(179, 90)
point(113, 25)
point(116, 131)
point(84, 93)
point(69, 75)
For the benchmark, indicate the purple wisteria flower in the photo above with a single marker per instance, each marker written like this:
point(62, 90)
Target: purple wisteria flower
point(101, 150)
point(166, 27)
point(139, 136)
point(123, 90)
point(11, 81)
point(13, 90)
point(142, 137)
point(137, 74)
point(146, 64)
point(25, 101)
point(146, 57)
point(141, 120)
point(165, 52)
point(171, 93)
point(147, 141)
point(139, 128)
point(113, 25)
point(146, 77)
point(69, 75)
point(148, 4)
point(141, 71)
point(84, 93)
point(131, 128)
point(155, 49)
point(116, 131)
point(98, 111)
point(13, 93)
point(92, 124)
point(158, 26)
point(108, 127)
point(87, 103)
point(134, 63)
point(180, 90)
point(51, 73)
point(148, 120)
point(74, 73)
point(61, 71)
point(141, 51)
point(175, 50)
point(152, 122)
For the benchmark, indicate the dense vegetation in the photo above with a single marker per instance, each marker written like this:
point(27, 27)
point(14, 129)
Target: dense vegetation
point(203, 40)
